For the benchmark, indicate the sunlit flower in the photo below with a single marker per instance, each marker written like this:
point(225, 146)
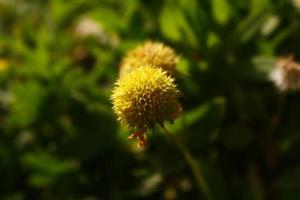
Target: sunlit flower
point(145, 97)
point(286, 74)
point(153, 53)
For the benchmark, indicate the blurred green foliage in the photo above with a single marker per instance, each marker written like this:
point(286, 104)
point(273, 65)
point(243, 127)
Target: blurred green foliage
point(59, 138)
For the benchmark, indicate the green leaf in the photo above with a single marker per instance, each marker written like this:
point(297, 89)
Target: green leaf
point(221, 11)
point(43, 162)
point(45, 168)
point(175, 26)
point(192, 117)
point(249, 26)
point(26, 102)
point(213, 39)
point(258, 5)
point(264, 64)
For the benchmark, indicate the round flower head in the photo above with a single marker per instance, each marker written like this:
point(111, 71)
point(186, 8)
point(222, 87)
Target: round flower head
point(145, 97)
point(286, 74)
point(153, 53)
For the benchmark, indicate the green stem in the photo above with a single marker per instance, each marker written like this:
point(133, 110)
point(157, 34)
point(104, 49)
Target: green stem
point(274, 122)
point(202, 185)
point(271, 145)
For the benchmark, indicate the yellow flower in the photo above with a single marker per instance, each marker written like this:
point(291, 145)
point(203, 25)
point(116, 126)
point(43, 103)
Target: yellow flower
point(145, 97)
point(153, 53)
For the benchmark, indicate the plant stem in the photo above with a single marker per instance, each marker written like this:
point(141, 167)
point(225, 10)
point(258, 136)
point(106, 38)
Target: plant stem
point(202, 185)
point(272, 151)
point(271, 145)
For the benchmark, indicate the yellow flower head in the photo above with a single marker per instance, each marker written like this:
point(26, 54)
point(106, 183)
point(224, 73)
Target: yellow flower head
point(145, 97)
point(153, 53)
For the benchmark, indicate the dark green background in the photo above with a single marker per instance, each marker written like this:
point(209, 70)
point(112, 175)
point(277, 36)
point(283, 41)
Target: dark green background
point(59, 138)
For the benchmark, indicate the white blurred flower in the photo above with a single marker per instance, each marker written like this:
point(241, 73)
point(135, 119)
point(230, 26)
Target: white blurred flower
point(87, 27)
point(286, 74)
point(270, 25)
point(296, 4)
